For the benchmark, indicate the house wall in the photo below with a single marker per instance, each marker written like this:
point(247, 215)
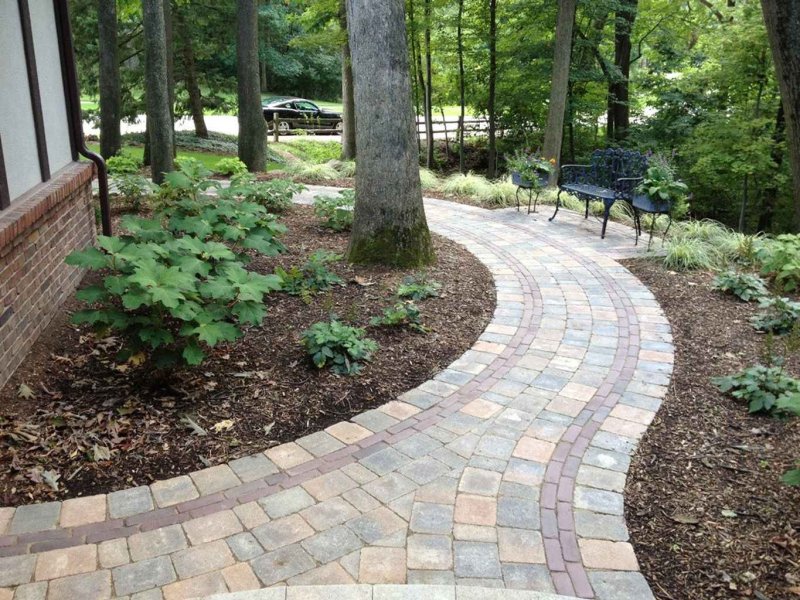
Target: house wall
point(37, 232)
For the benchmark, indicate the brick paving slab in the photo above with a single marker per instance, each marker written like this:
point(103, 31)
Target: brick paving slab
point(503, 471)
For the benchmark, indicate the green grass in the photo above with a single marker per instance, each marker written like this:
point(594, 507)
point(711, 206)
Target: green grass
point(208, 159)
point(89, 104)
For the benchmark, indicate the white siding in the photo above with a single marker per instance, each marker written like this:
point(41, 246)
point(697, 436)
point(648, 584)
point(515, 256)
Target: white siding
point(16, 115)
point(51, 85)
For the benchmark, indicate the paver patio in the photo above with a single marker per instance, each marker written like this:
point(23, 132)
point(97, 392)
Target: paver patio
point(504, 471)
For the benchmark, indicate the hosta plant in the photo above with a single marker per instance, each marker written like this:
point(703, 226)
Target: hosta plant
point(339, 346)
point(401, 314)
point(336, 212)
point(230, 166)
point(418, 288)
point(122, 164)
point(764, 388)
point(778, 315)
point(744, 286)
point(275, 195)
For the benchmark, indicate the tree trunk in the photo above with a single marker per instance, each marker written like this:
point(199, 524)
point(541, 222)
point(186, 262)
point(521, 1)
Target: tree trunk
point(417, 53)
point(348, 106)
point(252, 126)
point(491, 170)
point(170, 68)
point(782, 18)
point(554, 131)
point(389, 225)
point(461, 85)
point(619, 87)
point(190, 77)
point(263, 76)
point(110, 101)
point(159, 117)
point(428, 88)
point(770, 197)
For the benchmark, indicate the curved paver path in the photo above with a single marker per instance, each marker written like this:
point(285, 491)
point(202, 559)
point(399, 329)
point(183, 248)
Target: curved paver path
point(505, 470)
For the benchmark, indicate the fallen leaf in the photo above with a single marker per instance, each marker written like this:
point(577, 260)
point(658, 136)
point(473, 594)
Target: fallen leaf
point(51, 478)
point(268, 428)
point(193, 425)
point(728, 514)
point(223, 425)
point(685, 519)
point(100, 453)
point(25, 392)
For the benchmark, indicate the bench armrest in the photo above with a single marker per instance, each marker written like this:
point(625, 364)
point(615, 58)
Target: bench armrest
point(574, 174)
point(626, 186)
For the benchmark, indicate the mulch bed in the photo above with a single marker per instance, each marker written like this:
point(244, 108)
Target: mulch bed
point(705, 456)
point(246, 397)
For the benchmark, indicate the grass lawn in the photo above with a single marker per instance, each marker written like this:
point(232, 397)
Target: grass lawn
point(209, 159)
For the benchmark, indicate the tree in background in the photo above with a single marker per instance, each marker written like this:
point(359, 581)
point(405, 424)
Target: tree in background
point(159, 114)
point(110, 109)
point(782, 18)
point(190, 81)
point(389, 225)
point(491, 169)
point(348, 102)
point(252, 127)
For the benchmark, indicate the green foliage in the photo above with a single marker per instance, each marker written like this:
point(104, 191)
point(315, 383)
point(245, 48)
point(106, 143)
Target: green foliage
point(706, 245)
point(230, 166)
point(313, 151)
point(347, 168)
point(688, 254)
point(188, 182)
point(336, 212)
point(780, 259)
point(764, 388)
point(418, 287)
point(471, 185)
point(338, 345)
point(312, 172)
point(661, 185)
point(531, 166)
point(122, 165)
point(274, 195)
point(778, 315)
point(401, 314)
point(428, 179)
point(134, 189)
point(313, 277)
point(744, 286)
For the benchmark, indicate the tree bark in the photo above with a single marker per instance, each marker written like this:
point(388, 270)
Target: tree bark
point(554, 130)
point(170, 68)
point(190, 77)
point(252, 126)
point(389, 225)
point(782, 18)
point(461, 85)
point(110, 100)
point(491, 170)
point(159, 117)
point(428, 88)
point(417, 53)
point(619, 86)
point(348, 105)
point(770, 197)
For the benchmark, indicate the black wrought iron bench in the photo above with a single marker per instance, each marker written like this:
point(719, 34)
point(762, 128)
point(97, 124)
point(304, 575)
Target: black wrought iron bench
point(613, 174)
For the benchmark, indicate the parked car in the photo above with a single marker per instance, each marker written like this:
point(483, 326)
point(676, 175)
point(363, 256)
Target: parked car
point(298, 113)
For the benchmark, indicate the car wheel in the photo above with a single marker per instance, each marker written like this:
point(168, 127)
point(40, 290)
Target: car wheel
point(284, 127)
point(339, 127)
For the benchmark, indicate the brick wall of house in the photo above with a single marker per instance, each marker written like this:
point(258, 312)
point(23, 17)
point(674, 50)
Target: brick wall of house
point(36, 232)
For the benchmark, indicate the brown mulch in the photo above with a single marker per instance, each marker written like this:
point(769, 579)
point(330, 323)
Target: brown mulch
point(707, 512)
point(246, 397)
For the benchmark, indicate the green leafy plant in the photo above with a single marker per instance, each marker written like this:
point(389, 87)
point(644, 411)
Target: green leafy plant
point(338, 345)
point(336, 212)
point(764, 388)
point(189, 182)
point(688, 254)
point(744, 286)
point(274, 195)
point(121, 164)
point(312, 171)
point(134, 189)
point(230, 166)
point(313, 277)
point(661, 185)
point(531, 166)
point(778, 315)
point(780, 259)
point(401, 314)
point(418, 287)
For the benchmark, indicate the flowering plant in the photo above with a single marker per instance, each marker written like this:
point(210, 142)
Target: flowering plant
point(531, 166)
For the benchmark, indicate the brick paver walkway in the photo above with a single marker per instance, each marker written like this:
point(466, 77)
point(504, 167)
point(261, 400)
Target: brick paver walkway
point(505, 470)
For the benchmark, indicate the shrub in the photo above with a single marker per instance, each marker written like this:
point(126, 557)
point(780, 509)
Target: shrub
point(474, 186)
point(312, 172)
point(780, 259)
point(274, 195)
point(313, 277)
point(230, 166)
point(428, 179)
point(347, 168)
point(314, 151)
point(134, 188)
point(688, 254)
point(122, 164)
point(418, 288)
point(778, 315)
point(336, 212)
point(402, 314)
point(338, 345)
point(744, 286)
point(188, 182)
point(765, 389)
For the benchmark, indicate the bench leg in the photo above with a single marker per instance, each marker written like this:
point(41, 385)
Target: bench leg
point(517, 195)
point(637, 226)
point(652, 229)
point(558, 203)
point(606, 214)
point(530, 195)
point(669, 224)
point(535, 201)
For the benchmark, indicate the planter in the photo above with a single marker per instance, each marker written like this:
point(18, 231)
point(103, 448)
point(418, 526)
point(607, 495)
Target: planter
point(520, 181)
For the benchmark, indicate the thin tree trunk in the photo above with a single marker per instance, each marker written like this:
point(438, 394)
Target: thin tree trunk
point(554, 131)
point(348, 106)
point(782, 18)
point(170, 68)
point(770, 196)
point(190, 77)
point(159, 117)
point(389, 225)
point(110, 101)
point(461, 85)
point(252, 126)
point(417, 53)
point(428, 87)
point(491, 170)
point(619, 87)
point(263, 75)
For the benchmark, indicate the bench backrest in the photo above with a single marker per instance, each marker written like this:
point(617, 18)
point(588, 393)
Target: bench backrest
point(615, 163)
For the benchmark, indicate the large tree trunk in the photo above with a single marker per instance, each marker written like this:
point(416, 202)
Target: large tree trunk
point(554, 131)
point(159, 116)
point(461, 85)
point(389, 225)
point(348, 105)
point(190, 76)
point(619, 87)
point(782, 18)
point(110, 102)
point(252, 127)
point(491, 170)
point(428, 88)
